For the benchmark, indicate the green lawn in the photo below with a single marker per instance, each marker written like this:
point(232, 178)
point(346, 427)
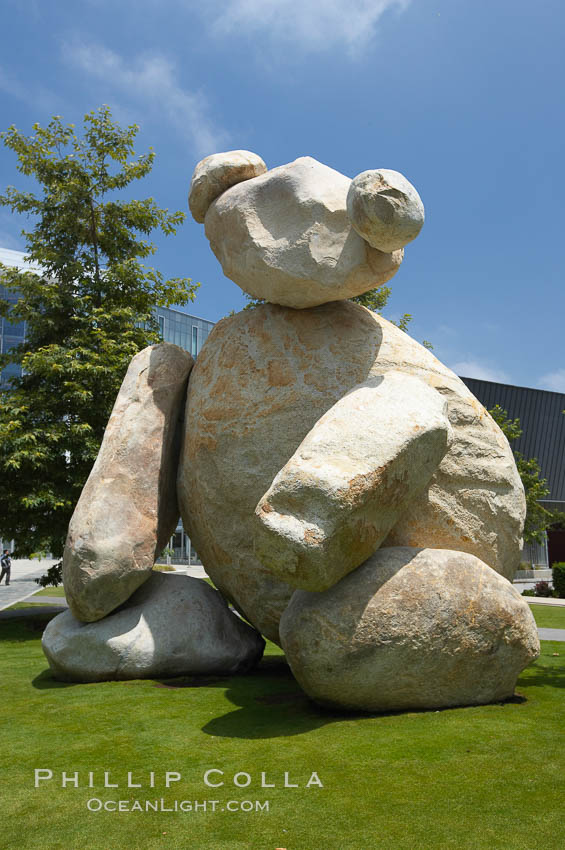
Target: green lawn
point(51, 591)
point(484, 777)
point(549, 616)
point(18, 606)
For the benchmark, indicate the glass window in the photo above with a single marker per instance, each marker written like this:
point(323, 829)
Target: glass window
point(14, 328)
point(8, 343)
point(161, 326)
point(194, 348)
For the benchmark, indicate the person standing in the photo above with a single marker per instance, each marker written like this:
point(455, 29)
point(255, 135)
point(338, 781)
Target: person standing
point(6, 563)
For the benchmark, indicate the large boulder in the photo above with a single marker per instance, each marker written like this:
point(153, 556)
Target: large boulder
point(172, 626)
point(263, 379)
point(285, 237)
point(410, 629)
point(128, 508)
point(350, 480)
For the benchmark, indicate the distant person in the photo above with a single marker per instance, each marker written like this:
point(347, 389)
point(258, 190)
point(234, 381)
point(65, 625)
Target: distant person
point(6, 562)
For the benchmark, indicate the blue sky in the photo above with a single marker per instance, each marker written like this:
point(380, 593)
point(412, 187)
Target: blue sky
point(464, 97)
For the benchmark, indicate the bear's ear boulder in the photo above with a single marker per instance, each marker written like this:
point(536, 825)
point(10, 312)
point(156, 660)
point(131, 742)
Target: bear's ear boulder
point(216, 173)
point(385, 209)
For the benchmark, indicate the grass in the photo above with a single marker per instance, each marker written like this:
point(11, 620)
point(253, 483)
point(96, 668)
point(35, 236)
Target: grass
point(481, 777)
point(51, 591)
point(38, 606)
point(549, 616)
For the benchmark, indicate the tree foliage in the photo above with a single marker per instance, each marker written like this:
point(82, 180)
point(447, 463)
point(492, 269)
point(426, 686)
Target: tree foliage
point(88, 308)
point(538, 518)
point(377, 299)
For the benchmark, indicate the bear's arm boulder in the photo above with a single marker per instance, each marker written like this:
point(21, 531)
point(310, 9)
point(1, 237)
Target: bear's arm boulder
point(128, 508)
point(336, 500)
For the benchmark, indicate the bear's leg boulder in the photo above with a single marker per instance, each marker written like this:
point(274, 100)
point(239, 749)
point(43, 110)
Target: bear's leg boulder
point(410, 629)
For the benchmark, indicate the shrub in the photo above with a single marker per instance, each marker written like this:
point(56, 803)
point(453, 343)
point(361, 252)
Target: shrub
point(558, 573)
point(543, 589)
point(528, 593)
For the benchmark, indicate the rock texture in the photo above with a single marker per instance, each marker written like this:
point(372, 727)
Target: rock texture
point(285, 237)
point(385, 209)
point(410, 629)
point(128, 508)
point(216, 173)
point(263, 379)
point(348, 483)
point(172, 626)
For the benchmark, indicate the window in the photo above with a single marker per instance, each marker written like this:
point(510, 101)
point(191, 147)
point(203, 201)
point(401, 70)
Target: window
point(194, 348)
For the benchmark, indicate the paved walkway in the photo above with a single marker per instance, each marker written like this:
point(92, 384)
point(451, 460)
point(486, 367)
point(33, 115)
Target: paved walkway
point(544, 600)
point(551, 634)
point(22, 584)
point(48, 600)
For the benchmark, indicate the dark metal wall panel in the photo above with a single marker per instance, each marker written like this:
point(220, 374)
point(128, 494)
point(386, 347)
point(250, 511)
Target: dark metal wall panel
point(542, 422)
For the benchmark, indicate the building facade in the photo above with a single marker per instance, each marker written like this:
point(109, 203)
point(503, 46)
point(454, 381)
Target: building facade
point(543, 436)
point(11, 333)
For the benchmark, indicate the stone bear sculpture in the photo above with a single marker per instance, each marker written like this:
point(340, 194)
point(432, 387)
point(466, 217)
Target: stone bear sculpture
point(344, 489)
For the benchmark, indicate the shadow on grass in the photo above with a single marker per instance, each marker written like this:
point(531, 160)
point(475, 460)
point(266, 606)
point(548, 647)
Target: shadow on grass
point(551, 676)
point(268, 701)
point(45, 681)
point(270, 704)
point(18, 625)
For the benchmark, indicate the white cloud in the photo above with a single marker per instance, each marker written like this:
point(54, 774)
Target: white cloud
point(153, 81)
point(481, 371)
point(35, 95)
point(312, 25)
point(554, 381)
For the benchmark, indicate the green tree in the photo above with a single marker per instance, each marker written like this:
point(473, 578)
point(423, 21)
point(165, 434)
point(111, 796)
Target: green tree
point(88, 310)
point(538, 518)
point(377, 299)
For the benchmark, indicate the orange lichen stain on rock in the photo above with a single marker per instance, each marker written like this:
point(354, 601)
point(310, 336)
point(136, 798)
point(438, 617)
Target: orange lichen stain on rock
point(314, 379)
point(479, 409)
point(221, 386)
point(360, 485)
point(266, 508)
point(220, 412)
point(312, 537)
point(208, 443)
point(279, 374)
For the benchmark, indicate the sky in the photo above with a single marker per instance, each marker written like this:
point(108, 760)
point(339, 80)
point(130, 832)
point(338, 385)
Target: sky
point(464, 97)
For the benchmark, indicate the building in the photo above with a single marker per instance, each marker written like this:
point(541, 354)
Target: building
point(11, 333)
point(543, 425)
